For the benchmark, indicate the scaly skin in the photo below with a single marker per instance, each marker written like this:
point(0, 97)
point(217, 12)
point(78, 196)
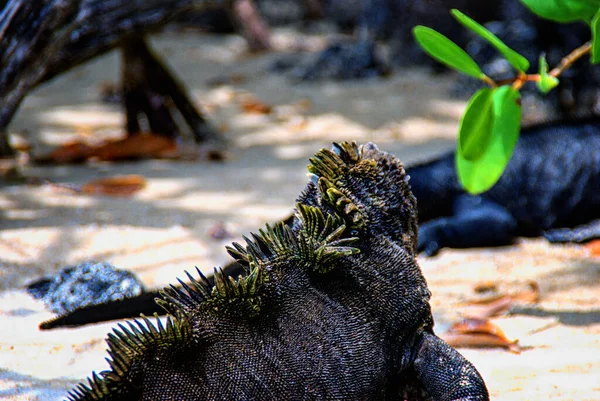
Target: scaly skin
point(332, 307)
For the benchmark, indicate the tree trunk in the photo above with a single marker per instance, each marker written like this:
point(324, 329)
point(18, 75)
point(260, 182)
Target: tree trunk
point(251, 24)
point(151, 91)
point(42, 39)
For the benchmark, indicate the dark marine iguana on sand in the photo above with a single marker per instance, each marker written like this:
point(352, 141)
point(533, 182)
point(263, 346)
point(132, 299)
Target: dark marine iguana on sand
point(332, 307)
point(551, 187)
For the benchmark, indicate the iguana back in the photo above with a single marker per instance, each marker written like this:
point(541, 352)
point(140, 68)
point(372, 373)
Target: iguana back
point(332, 308)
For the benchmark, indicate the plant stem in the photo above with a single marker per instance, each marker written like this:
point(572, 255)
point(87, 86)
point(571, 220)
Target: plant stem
point(489, 81)
point(565, 63)
point(570, 59)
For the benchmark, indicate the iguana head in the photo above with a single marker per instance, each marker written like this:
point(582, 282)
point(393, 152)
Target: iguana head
point(368, 188)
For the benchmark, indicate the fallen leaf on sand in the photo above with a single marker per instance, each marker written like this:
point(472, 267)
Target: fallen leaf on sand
point(494, 308)
point(255, 106)
point(478, 333)
point(122, 185)
point(146, 146)
point(76, 152)
point(593, 247)
point(142, 146)
point(485, 286)
point(490, 293)
point(493, 303)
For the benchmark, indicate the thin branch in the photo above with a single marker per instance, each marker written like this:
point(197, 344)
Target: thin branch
point(566, 62)
point(489, 81)
point(570, 59)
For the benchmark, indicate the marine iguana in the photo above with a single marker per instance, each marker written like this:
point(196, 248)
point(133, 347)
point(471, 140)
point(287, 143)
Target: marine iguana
point(332, 307)
point(551, 187)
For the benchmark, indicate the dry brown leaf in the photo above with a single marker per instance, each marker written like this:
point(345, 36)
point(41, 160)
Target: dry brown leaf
point(142, 146)
point(121, 185)
point(75, 152)
point(529, 295)
point(593, 247)
point(471, 325)
point(485, 286)
point(255, 106)
point(479, 340)
point(490, 309)
point(478, 333)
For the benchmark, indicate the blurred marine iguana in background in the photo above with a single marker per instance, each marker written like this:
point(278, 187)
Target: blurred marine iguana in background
point(551, 187)
point(331, 307)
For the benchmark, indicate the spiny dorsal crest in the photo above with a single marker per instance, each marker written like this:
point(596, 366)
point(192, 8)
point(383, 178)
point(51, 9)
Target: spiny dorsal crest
point(316, 245)
point(185, 299)
point(127, 345)
point(239, 297)
point(271, 245)
point(96, 389)
point(330, 168)
point(342, 203)
point(229, 295)
point(319, 242)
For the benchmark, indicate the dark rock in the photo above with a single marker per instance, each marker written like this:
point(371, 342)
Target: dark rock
point(344, 60)
point(86, 284)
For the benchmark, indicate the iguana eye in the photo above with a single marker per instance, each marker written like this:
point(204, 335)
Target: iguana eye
point(354, 232)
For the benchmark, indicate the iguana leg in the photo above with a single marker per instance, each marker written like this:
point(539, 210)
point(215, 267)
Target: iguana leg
point(475, 222)
point(445, 374)
point(581, 233)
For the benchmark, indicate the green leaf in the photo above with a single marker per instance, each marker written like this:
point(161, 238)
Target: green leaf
point(595, 39)
point(476, 125)
point(446, 51)
point(481, 174)
point(507, 118)
point(514, 58)
point(564, 10)
point(546, 82)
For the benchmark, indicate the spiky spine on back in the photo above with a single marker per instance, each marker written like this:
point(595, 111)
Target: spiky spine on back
point(330, 168)
point(314, 247)
point(125, 346)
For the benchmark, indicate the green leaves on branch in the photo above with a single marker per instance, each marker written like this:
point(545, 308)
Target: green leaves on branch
point(449, 53)
point(446, 51)
point(546, 82)
point(564, 10)
point(489, 129)
point(488, 133)
point(476, 125)
point(571, 11)
point(515, 59)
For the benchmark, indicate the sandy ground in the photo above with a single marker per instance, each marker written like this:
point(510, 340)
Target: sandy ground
point(164, 229)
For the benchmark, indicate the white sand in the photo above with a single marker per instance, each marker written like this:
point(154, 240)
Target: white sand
point(162, 231)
